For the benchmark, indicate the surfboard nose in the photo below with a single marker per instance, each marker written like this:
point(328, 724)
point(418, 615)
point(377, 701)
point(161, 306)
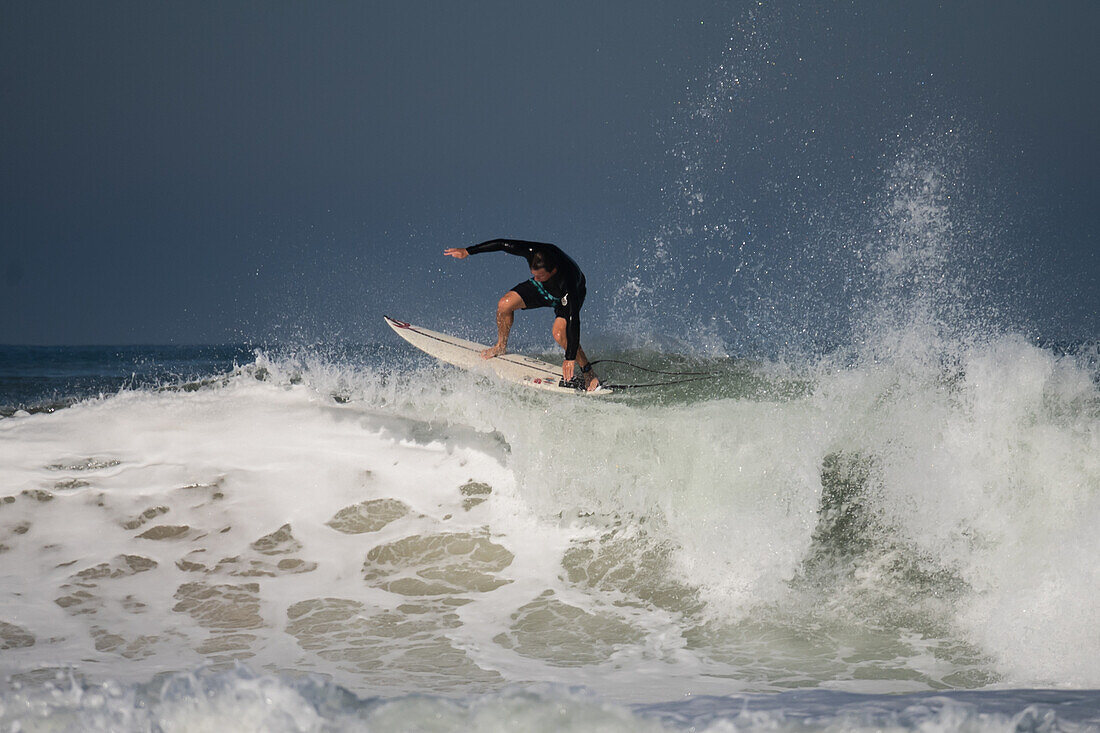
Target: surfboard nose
point(396, 323)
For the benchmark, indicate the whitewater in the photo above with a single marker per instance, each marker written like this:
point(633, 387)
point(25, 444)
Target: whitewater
point(383, 527)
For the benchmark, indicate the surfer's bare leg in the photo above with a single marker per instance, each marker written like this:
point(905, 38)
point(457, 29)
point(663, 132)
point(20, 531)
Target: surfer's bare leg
point(591, 380)
point(506, 310)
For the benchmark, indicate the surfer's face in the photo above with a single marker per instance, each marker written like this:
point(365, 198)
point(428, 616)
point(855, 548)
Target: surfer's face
point(542, 275)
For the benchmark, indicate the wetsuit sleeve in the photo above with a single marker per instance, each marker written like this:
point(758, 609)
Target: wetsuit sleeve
point(511, 246)
point(572, 301)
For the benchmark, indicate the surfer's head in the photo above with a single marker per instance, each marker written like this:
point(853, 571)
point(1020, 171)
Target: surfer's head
point(542, 267)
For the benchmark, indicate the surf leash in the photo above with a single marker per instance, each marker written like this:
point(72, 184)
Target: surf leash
point(652, 371)
point(658, 384)
point(692, 376)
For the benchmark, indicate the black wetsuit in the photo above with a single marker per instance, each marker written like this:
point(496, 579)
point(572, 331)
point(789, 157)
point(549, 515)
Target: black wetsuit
point(564, 291)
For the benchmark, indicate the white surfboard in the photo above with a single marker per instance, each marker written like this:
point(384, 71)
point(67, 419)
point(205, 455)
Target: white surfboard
point(467, 355)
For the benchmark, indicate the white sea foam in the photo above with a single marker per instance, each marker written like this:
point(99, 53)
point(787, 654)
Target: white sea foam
point(243, 701)
point(438, 532)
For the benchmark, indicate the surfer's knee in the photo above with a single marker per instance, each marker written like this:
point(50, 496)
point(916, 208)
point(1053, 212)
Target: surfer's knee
point(559, 331)
point(509, 302)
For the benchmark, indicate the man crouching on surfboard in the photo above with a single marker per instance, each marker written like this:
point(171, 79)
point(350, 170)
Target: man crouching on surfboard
point(555, 281)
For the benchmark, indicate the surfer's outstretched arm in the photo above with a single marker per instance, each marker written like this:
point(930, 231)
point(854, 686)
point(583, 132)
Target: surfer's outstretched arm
point(521, 249)
point(530, 251)
point(501, 245)
point(517, 247)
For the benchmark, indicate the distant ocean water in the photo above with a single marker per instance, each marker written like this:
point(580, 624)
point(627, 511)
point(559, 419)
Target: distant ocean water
point(317, 539)
point(40, 378)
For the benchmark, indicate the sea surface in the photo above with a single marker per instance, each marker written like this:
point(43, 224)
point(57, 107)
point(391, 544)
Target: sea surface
point(356, 537)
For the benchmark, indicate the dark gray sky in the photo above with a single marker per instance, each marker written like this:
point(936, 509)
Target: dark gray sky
point(211, 172)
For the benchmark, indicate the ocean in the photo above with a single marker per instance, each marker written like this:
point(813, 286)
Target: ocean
point(356, 537)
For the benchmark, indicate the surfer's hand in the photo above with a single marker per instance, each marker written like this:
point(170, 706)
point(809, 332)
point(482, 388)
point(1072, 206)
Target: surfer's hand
point(567, 370)
point(457, 252)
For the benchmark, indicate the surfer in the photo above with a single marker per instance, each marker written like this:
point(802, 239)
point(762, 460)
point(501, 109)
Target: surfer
point(555, 281)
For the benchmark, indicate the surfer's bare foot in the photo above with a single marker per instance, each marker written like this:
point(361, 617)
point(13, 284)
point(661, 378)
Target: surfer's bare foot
point(593, 382)
point(493, 351)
